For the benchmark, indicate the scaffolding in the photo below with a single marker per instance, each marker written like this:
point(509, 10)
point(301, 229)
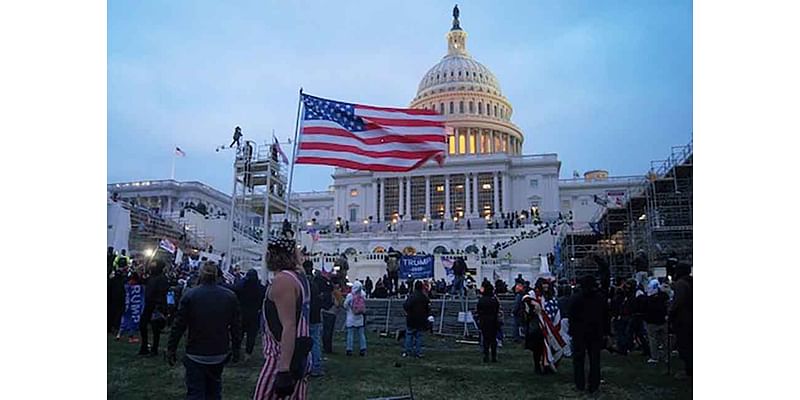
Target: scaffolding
point(655, 219)
point(259, 192)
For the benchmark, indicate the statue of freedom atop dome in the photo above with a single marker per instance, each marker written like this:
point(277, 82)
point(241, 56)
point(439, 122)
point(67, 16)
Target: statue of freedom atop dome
point(456, 25)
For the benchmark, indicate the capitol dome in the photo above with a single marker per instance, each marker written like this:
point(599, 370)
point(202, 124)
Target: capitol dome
point(469, 95)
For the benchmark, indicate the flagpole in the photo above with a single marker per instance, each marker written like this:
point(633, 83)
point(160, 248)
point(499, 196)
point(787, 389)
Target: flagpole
point(294, 150)
point(173, 164)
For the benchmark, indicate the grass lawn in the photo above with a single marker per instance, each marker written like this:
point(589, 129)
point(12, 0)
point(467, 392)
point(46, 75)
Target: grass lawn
point(448, 371)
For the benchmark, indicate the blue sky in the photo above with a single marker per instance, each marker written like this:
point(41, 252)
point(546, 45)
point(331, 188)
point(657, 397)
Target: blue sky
point(606, 85)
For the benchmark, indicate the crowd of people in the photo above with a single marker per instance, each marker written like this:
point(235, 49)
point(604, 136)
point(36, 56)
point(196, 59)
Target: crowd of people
point(295, 315)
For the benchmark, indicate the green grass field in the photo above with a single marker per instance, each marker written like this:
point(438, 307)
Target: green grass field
point(448, 371)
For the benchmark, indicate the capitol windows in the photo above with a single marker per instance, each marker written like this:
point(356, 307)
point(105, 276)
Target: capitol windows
point(462, 144)
point(480, 108)
point(451, 107)
point(534, 183)
point(451, 140)
point(461, 107)
point(441, 108)
point(502, 113)
point(440, 188)
point(495, 110)
point(354, 193)
point(471, 107)
point(353, 214)
point(472, 149)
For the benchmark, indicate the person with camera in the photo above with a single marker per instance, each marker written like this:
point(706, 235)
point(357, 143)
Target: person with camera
point(287, 341)
point(210, 312)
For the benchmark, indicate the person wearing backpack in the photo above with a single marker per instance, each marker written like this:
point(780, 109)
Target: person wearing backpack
point(356, 307)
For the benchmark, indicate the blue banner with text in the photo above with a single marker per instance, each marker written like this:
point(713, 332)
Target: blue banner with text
point(416, 267)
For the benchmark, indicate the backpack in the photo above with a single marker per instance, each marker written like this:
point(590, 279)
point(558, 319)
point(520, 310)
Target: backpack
point(359, 306)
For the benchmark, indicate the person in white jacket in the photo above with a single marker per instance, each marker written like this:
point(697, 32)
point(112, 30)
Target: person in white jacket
point(355, 322)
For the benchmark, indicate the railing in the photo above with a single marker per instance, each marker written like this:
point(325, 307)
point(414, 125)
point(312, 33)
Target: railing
point(313, 193)
point(611, 179)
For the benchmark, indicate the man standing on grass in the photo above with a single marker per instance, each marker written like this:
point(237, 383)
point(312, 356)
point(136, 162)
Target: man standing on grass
point(587, 313)
point(417, 308)
point(680, 314)
point(211, 314)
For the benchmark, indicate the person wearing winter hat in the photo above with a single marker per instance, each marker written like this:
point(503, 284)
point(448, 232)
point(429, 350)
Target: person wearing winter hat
point(210, 313)
point(355, 304)
point(656, 318)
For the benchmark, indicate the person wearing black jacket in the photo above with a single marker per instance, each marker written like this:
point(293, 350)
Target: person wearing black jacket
point(587, 313)
point(328, 310)
point(655, 316)
point(211, 314)
point(680, 314)
point(155, 307)
point(315, 319)
point(488, 310)
point(459, 271)
point(116, 300)
point(417, 308)
point(368, 287)
point(251, 296)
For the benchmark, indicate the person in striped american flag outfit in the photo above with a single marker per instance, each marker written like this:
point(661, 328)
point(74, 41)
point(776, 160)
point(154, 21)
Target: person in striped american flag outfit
point(286, 313)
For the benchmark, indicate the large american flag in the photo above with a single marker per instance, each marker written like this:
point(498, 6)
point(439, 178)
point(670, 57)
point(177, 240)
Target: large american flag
point(361, 137)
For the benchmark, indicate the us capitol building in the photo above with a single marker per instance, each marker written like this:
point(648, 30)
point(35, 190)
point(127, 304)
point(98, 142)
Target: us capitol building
point(485, 176)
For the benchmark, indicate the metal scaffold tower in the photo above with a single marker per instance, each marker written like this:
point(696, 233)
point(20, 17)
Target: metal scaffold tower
point(655, 219)
point(259, 192)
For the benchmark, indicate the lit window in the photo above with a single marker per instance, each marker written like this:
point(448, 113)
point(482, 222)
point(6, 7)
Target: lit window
point(462, 144)
point(354, 193)
point(486, 186)
point(451, 140)
point(472, 144)
point(440, 188)
point(534, 183)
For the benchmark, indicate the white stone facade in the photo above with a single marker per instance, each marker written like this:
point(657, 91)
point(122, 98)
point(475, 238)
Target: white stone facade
point(485, 176)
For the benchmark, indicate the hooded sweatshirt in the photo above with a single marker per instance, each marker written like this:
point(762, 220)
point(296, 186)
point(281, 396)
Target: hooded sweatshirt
point(353, 320)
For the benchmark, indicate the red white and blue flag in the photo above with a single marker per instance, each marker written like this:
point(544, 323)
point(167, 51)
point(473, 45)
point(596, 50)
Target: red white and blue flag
point(362, 137)
point(280, 150)
point(167, 245)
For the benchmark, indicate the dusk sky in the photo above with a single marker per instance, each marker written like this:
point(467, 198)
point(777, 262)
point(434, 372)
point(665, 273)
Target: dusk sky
point(606, 85)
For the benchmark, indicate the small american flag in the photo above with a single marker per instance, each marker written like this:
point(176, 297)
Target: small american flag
point(167, 245)
point(179, 152)
point(280, 150)
point(362, 137)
